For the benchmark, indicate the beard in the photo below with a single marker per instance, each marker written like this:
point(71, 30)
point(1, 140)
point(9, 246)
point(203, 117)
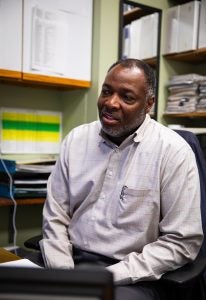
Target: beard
point(124, 130)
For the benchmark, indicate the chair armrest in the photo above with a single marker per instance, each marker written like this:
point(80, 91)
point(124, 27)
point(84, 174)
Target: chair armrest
point(186, 273)
point(33, 243)
point(180, 276)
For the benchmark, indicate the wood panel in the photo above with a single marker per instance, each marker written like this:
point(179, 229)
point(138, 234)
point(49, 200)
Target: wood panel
point(195, 114)
point(198, 56)
point(31, 201)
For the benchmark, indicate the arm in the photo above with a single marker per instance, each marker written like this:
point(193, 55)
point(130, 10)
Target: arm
point(55, 246)
point(180, 225)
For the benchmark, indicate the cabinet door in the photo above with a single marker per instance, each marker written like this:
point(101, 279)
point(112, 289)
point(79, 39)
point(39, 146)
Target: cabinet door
point(57, 38)
point(11, 38)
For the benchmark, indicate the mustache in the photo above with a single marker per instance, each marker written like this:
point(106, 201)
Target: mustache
point(109, 113)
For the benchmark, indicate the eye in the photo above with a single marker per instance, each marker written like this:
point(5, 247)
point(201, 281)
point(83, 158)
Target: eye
point(105, 92)
point(128, 98)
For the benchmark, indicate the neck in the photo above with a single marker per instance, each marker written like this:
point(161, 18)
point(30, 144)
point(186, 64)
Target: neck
point(116, 140)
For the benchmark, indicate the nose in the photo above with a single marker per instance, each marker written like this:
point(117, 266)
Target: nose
point(113, 101)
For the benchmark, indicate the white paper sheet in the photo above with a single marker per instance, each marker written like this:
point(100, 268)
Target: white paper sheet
point(24, 262)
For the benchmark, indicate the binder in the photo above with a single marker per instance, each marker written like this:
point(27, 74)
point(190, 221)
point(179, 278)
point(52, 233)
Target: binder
point(10, 166)
point(188, 26)
point(146, 37)
point(202, 25)
point(171, 30)
point(5, 189)
point(135, 35)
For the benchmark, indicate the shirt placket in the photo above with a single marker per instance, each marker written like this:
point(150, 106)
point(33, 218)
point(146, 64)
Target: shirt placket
point(107, 187)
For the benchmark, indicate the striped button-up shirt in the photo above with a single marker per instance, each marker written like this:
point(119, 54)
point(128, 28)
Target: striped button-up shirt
point(138, 202)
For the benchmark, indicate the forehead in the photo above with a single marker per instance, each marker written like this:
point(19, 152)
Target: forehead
point(126, 76)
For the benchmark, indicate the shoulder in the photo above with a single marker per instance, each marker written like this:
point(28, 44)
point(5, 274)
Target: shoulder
point(164, 144)
point(80, 138)
point(84, 131)
point(168, 137)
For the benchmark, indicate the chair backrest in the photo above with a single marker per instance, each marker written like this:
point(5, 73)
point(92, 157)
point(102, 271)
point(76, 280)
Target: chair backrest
point(192, 140)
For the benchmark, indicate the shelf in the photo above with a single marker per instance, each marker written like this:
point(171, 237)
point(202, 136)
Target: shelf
point(194, 56)
point(30, 201)
point(29, 79)
point(136, 13)
point(13, 75)
point(55, 81)
point(133, 14)
point(194, 114)
point(151, 61)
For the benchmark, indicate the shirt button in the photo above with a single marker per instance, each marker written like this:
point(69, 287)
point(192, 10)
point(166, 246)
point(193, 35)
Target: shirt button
point(93, 218)
point(110, 173)
point(102, 196)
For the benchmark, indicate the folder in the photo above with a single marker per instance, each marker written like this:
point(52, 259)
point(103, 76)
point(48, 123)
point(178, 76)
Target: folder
point(9, 164)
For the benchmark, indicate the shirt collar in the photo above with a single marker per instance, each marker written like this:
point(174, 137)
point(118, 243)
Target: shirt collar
point(137, 136)
point(139, 133)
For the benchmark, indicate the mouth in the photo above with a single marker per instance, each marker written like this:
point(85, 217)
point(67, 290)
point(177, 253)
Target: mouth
point(109, 119)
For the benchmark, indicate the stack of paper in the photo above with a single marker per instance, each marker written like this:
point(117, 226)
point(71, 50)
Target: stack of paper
point(201, 104)
point(24, 180)
point(183, 93)
point(30, 180)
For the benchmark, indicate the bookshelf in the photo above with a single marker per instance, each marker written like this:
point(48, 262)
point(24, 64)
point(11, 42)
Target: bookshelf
point(183, 62)
point(136, 11)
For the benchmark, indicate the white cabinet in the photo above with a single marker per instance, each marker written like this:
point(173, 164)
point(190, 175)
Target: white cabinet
point(11, 38)
point(49, 40)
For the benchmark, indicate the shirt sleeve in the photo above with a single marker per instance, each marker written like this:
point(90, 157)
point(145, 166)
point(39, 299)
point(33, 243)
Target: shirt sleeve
point(180, 226)
point(55, 246)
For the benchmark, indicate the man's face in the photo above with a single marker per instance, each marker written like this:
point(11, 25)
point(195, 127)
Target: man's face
point(122, 103)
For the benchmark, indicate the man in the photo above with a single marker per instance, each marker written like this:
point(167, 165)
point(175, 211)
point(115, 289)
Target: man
point(125, 188)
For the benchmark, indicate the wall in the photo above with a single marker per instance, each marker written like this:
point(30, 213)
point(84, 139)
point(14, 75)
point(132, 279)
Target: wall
point(78, 106)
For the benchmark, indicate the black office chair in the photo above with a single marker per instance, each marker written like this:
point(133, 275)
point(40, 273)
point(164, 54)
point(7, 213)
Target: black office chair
point(189, 281)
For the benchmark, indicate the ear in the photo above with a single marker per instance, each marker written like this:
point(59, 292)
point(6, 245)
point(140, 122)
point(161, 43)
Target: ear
point(149, 104)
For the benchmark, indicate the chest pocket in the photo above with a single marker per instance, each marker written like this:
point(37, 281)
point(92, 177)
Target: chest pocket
point(133, 200)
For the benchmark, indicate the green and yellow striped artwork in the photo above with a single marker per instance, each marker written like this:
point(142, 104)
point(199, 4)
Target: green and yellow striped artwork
point(28, 131)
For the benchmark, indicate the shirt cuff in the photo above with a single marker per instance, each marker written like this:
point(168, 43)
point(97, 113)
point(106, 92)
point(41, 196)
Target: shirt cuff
point(56, 254)
point(120, 273)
